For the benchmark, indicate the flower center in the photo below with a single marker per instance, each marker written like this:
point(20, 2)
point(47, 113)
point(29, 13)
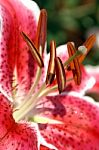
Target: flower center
point(56, 73)
point(55, 81)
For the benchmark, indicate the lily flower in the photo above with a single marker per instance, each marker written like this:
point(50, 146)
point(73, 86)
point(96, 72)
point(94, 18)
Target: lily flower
point(66, 120)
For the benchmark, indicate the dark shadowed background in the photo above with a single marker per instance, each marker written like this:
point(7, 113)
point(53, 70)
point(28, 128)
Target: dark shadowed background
point(73, 20)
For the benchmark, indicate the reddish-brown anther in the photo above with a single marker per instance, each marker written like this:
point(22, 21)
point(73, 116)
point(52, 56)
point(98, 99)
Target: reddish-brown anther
point(74, 65)
point(41, 30)
point(51, 65)
point(33, 50)
point(88, 44)
point(60, 74)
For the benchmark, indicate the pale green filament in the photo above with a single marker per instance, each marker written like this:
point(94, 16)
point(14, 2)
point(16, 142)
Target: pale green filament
point(51, 89)
point(72, 58)
point(31, 91)
point(25, 108)
point(31, 101)
point(36, 81)
point(38, 75)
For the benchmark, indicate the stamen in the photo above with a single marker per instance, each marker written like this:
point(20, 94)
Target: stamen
point(37, 78)
point(41, 30)
point(33, 50)
point(51, 65)
point(52, 89)
point(88, 44)
point(55, 64)
point(60, 74)
point(74, 65)
point(29, 104)
point(70, 59)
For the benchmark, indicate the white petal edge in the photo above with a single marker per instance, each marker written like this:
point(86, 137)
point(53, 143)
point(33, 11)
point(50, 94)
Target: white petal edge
point(31, 5)
point(6, 95)
point(41, 140)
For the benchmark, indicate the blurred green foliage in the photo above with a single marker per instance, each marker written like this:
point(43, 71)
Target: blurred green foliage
point(73, 20)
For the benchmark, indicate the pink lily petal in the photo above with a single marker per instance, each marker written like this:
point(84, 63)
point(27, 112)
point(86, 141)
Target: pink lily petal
point(24, 15)
point(87, 82)
point(80, 122)
point(6, 40)
point(94, 71)
point(27, 22)
point(43, 148)
point(6, 119)
point(21, 137)
point(62, 52)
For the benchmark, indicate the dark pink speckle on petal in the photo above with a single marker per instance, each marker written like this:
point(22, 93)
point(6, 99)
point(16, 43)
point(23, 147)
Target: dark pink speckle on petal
point(80, 119)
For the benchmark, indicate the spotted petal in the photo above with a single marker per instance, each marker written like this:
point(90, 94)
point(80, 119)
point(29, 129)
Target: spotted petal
point(27, 22)
point(6, 119)
point(21, 15)
point(80, 122)
point(7, 56)
point(20, 136)
point(87, 82)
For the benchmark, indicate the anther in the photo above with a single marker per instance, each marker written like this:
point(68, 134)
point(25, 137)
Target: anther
point(51, 65)
point(60, 74)
point(88, 44)
point(33, 50)
point(74, 65)
point(41, 30)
